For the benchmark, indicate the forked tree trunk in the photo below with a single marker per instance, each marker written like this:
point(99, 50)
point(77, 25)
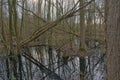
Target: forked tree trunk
point(113, 39)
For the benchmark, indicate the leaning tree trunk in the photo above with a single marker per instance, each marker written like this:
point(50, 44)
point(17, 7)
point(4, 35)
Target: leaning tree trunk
point(113, 39)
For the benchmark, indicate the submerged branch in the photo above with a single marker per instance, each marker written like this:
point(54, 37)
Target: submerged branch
point(42, 67)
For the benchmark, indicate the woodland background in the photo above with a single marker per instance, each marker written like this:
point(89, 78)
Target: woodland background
point(59, 39)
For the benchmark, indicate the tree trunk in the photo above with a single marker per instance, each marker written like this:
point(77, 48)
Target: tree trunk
point(82, 41)
point(113, 39)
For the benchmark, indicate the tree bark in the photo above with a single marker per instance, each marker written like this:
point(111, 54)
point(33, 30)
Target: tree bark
point(113, 39)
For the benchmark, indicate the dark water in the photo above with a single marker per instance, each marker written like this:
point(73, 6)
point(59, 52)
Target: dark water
point(50, 65)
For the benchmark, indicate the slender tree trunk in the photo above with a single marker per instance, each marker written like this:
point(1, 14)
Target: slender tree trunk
point(82, 41)
point(113, 39)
